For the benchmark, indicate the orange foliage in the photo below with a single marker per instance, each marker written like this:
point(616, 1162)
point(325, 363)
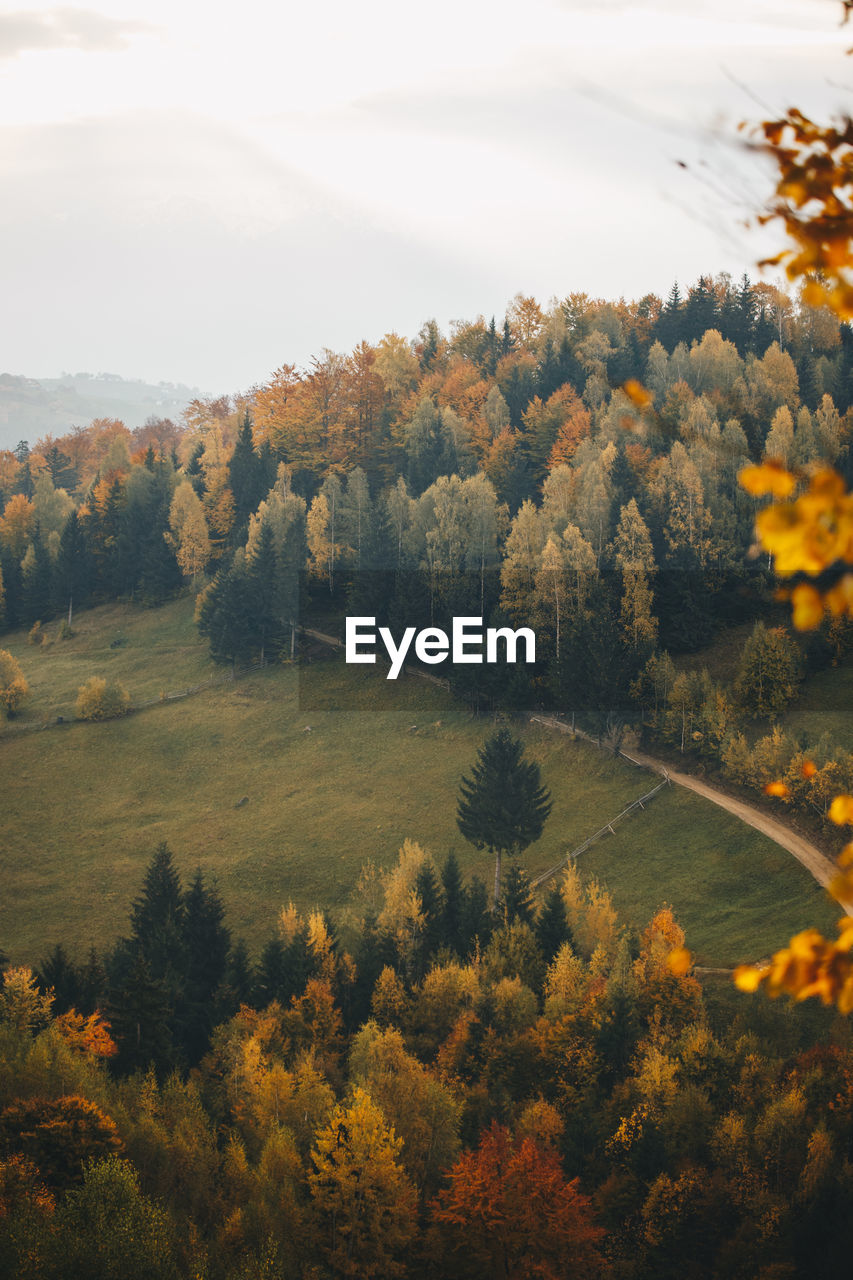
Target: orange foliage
point(513, 1214)
point(813, 202)
point(20, 1186)
point(9, 467)
point(17, 524)
point(576, 427)
point(59, 1135)
point(464, 390)
point(87, 1036)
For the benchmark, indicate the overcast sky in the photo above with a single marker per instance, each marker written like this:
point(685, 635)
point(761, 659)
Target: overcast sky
point(199, 192)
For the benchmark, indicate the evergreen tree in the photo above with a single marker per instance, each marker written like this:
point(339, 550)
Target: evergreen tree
point(160, 577)
point(225, 616)
point(92, 983)
point(428, 889)
point(284, 969)
point(246, 479)
point(239, 978)
point(37, 582)
point(669, 328)
point(517, 898)
point(59, 974)
point(452, 905)
point(74, 568)
point(503, 805)
point(552, 928)
point(261, 578)
point(139, 1012)
point(157, 920)
point(477, 920)
point(700, 311)
point(206, 943)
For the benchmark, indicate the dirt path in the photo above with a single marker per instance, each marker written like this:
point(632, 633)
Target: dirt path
point(813, 859)
point(816, 862)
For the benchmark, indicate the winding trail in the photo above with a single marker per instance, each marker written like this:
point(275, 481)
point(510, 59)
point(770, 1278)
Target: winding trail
point(813, 859)
point(816, 862)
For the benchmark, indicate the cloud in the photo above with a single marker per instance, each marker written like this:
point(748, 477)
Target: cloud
point(166, 244)
point(80, 29)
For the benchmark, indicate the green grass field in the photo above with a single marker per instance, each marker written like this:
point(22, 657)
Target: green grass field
point(238, 783)
point(825, 705)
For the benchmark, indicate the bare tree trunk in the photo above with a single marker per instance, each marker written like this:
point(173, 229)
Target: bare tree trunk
point(497, 877)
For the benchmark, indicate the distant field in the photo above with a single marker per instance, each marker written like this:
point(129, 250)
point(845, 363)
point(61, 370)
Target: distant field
point(84, 806)
point(825, 706)
point(151, 651)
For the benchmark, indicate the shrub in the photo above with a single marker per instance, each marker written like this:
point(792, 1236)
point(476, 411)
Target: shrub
point(14, 689)
point(98, 700)
point(36, 634)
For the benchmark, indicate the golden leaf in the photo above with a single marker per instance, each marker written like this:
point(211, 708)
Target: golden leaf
point(841, 810)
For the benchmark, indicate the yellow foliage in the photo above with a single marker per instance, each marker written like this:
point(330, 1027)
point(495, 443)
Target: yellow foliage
point(769, 478)
point(14, 689)
point(565, 983)
point(401, 913)
point(813, 201)
point(810, 965)
point(841, 810)
point(389, 1003)
point(363, 1200)
point(541, 1122)
point(811, 534)
point(290, 923)
point(97, 700)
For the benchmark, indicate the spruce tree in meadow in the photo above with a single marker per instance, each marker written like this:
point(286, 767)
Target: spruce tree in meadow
point(503, 805)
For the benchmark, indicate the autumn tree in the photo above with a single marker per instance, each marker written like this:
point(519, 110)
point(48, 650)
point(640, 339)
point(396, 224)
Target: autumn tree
point(101, 699)
point(421, 1110)
point(769, 671)
point(14, 689)
point(363, 1200)
point(509, 1212)
point(59, 1135)
point(503, 806)
point(189, 535)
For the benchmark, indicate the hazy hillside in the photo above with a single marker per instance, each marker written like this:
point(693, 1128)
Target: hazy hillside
point(31, 408)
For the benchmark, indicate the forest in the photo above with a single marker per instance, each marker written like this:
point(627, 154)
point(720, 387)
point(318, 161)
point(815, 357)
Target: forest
point(500, 472)
point(425, 1085)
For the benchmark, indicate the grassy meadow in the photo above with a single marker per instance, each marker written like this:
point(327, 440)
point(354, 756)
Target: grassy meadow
point(283, 784)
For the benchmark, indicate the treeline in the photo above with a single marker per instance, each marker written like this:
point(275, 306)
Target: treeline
point(462, 474)
point(509, 404)
point(424, 1090)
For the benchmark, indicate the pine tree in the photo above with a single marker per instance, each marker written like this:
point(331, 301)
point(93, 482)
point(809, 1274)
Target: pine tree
point(428, 889)
point(246, 478)
point(37, 584)
point(478, 921)
point(59, 974)
point(261, 580)
point(517, 898)
point(503, 805)
point(239, 978)
point(670, 321)
point(452, 907)
point(552, 927)
point(139, 1012)
point(157, 919)
point(206, 943)
point(74, 569)
point(225, 615)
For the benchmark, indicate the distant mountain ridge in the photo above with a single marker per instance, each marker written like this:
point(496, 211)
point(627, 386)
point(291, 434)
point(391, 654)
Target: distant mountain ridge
point(34, 407)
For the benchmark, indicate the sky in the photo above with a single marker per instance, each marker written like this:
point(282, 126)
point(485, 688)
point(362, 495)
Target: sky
point(199, 192)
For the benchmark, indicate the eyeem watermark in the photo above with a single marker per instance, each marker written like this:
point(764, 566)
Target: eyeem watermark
point(432, 645)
